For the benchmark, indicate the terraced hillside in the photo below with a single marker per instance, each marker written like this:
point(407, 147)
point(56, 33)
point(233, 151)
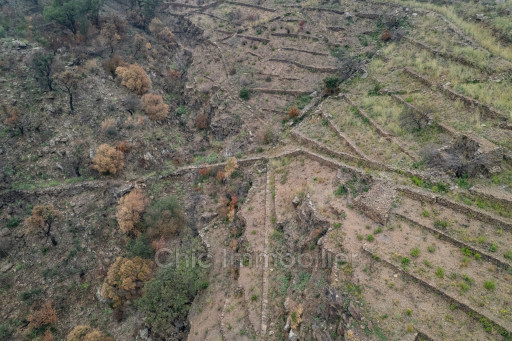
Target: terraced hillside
point(339, 171)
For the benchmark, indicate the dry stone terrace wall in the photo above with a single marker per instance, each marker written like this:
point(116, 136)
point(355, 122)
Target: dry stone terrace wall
point(454, 241)
point(452, 94)
point(457, 207)
point(476, 313)
point(351, 158)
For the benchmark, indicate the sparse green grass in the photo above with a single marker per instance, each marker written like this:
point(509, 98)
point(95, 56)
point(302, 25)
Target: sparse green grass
point(489, 284)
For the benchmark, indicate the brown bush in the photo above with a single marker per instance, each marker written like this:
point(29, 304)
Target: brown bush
point(220, 175)
point(48, 336)
point(86, 333)
point(134, 78)
point(162, 32)
point(385, 36)
point(44, 316)
point(154, 106)
point(12, 118)
point(108, 160)
point(201, 121)
point(111, 64)
point(158, 244)
point(205, 171)
point(124, 147)
point(125, 279)
point(293, 112)
point(108, 124)
point(130, 210)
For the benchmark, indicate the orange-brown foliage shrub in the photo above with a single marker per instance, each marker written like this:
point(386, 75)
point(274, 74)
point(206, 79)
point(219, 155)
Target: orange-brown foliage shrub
point(130, 210)
point(201, 121)
point(385, 36)
point(125, 279)
point(124, 146)
point(220, 175)
point(44, 316)
point(161, 31)
point(293, 112)
point(48, 336)
point(86, 333)
point(154, 106)
point(134, 78)
point(108, 160)
point(205, 171)
point(112, 64)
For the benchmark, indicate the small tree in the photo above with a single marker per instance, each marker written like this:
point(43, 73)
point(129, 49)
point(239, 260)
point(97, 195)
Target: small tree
point(108, 160)
point(42, 220)
point(154, 106)
point(177, 286)
point(134, 78)
point(231, 166)
point(130, 210)
point(86, 333)
point(125, 279)
point(71, 14)
point(45, 316)
point(131, 103)
point(416, 118)
point(41, 64)
point(69, 80)
point(110, 34)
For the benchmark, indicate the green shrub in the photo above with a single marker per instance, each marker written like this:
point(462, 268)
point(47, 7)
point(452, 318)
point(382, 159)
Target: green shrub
point(370, 238)
point(415, 252)
point(139, 247)
point(440, 272)
point(244, 94)
point(331, 83)
point(13, 222)
point(164, 218)
point(28, 297)
point(341, 190)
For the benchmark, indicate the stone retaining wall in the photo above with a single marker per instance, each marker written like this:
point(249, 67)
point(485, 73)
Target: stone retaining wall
point(307, 67)
point(250, 5)
point(477, 314)
point(456, 242)
point(281, 91)
point(487, 110)
point(295, 36)
point(457, 207)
